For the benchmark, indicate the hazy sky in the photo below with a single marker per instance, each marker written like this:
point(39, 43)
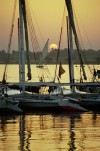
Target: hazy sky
point(48, 14)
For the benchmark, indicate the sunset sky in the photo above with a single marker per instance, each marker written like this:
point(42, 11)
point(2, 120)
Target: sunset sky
point(48, 14)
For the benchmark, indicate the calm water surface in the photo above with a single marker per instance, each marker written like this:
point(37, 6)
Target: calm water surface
point(50, 131)
point(47, 72)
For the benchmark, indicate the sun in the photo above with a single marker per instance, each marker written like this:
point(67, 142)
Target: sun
point(53, 46)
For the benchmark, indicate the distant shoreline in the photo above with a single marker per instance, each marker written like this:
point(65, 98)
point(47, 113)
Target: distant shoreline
point(88, 56)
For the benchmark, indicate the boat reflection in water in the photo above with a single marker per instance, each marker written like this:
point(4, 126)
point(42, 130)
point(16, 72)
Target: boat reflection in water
point(56, 132)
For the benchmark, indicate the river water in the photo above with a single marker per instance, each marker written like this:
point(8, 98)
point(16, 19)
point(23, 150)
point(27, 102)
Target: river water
point(47, 72)
point(49, 131)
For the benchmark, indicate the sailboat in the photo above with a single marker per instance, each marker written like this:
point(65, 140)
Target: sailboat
point(32, 101)
point(87, 86)
point(90, 101)
point(43, 55)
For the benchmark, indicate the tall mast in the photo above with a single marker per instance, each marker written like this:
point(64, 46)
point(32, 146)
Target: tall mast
point(23, 7)
point(70, 54)
point(19, 50)
point(70, 14)
point(21, 46)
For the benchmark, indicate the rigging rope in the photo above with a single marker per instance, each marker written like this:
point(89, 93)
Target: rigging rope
point(34, 39)
point(59, 43)
point(9, 43)
point(83, 55)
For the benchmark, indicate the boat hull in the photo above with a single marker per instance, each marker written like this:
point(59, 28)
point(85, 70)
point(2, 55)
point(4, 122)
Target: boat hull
point(46, 102)
point(90, 104)
point(45, 105)
point(71, 106)
point(49, 105)
point(7, 106)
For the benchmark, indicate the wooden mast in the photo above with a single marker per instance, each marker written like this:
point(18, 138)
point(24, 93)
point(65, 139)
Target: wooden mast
point(23, 6)
point(21, 47)
point(70, 54)
point(70, 14)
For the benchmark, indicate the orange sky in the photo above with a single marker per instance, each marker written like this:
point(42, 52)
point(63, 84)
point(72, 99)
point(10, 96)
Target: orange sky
point(49, 17)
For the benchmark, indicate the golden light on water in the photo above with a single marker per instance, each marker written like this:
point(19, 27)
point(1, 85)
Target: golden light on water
point(50, 132)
